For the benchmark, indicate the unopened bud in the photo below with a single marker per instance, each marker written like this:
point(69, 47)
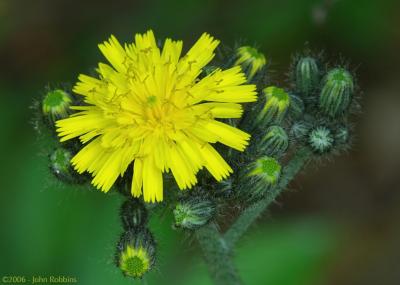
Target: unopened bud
point(300, 129)
point(296, 108)
point(337, 92)
point(267, 169)
point(251, 60)
point(342, 135)
point(307, 75)
point(275, 141)
point(276, 105)
point(320, 139)
point(193, 212)
point(55, 104)
point(133, 214)
point(60, 165)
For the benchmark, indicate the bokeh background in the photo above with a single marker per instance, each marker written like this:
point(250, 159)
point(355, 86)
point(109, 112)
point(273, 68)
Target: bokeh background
point(339, 223)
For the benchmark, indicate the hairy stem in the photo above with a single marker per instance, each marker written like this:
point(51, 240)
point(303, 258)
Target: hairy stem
point(252, 212)
point(217, 255)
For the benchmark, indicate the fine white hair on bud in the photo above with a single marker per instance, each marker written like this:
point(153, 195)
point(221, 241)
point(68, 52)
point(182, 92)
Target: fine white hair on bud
point(307, 75)
point(320, 139)
point(193, 212)
point(55, 105)
point(275, 141)
point(337, 92)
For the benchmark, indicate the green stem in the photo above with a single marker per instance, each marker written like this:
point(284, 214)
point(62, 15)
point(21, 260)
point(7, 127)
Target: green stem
point(217, 255)
point(252, 212)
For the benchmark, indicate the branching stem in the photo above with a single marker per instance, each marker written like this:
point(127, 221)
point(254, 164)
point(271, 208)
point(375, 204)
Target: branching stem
point(217, 255)
point(218, 249)
point(252, 212)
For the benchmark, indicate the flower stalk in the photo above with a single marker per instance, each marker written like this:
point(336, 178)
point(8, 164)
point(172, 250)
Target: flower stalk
point(252, 212)
point(217, 255)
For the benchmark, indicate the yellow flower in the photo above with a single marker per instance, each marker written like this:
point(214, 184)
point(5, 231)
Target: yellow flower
point(151, 109)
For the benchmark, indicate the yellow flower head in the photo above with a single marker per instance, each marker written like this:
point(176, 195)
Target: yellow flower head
point(250, 57)
point(150, 108)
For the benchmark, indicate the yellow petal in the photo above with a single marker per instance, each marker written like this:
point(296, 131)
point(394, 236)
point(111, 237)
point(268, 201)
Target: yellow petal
point(219, 110)
point(227, 134)
point(137, 180)
point(215, 164)
point(114, 53)
point(152, 181)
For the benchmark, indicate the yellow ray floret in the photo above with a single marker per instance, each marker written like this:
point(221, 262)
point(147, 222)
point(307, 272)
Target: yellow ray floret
point(148, 109)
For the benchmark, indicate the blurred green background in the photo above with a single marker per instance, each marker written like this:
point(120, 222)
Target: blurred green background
point(339, 223)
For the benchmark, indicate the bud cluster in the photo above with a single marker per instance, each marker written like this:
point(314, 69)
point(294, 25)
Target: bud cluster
point(328, 95)
point(313, 112)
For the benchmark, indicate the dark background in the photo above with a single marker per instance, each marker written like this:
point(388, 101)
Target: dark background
point(338, 224)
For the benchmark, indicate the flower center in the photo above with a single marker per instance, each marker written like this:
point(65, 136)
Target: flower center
point(135, 266)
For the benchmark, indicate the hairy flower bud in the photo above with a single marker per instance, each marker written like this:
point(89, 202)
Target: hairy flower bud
point(55, 105)
point(296, 108)
point(193, 212)
point(60, 164)
point(320, 139)
point(307, 75)
point(263, 174)
point(299, 130)
point(251, 60)
point(133, 214)
point(337, 91)
point(275, 141)
point(267, 169)
point(276, 103)
point(342, 135)
point(135, 253)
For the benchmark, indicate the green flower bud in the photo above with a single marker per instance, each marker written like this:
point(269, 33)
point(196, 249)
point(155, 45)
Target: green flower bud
point(296, 108)
point(135, 253)
point(267, 169)
point(193, 212)
point(307, 75)
point(251, 60)
point(255, 181)
point(133, 214)
point(337, 91)
point(275, 141)
point(60, 165)
point(276, 104)
point(299, 130)
point(55, 105)
point(342, 135)
point(320, 139)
